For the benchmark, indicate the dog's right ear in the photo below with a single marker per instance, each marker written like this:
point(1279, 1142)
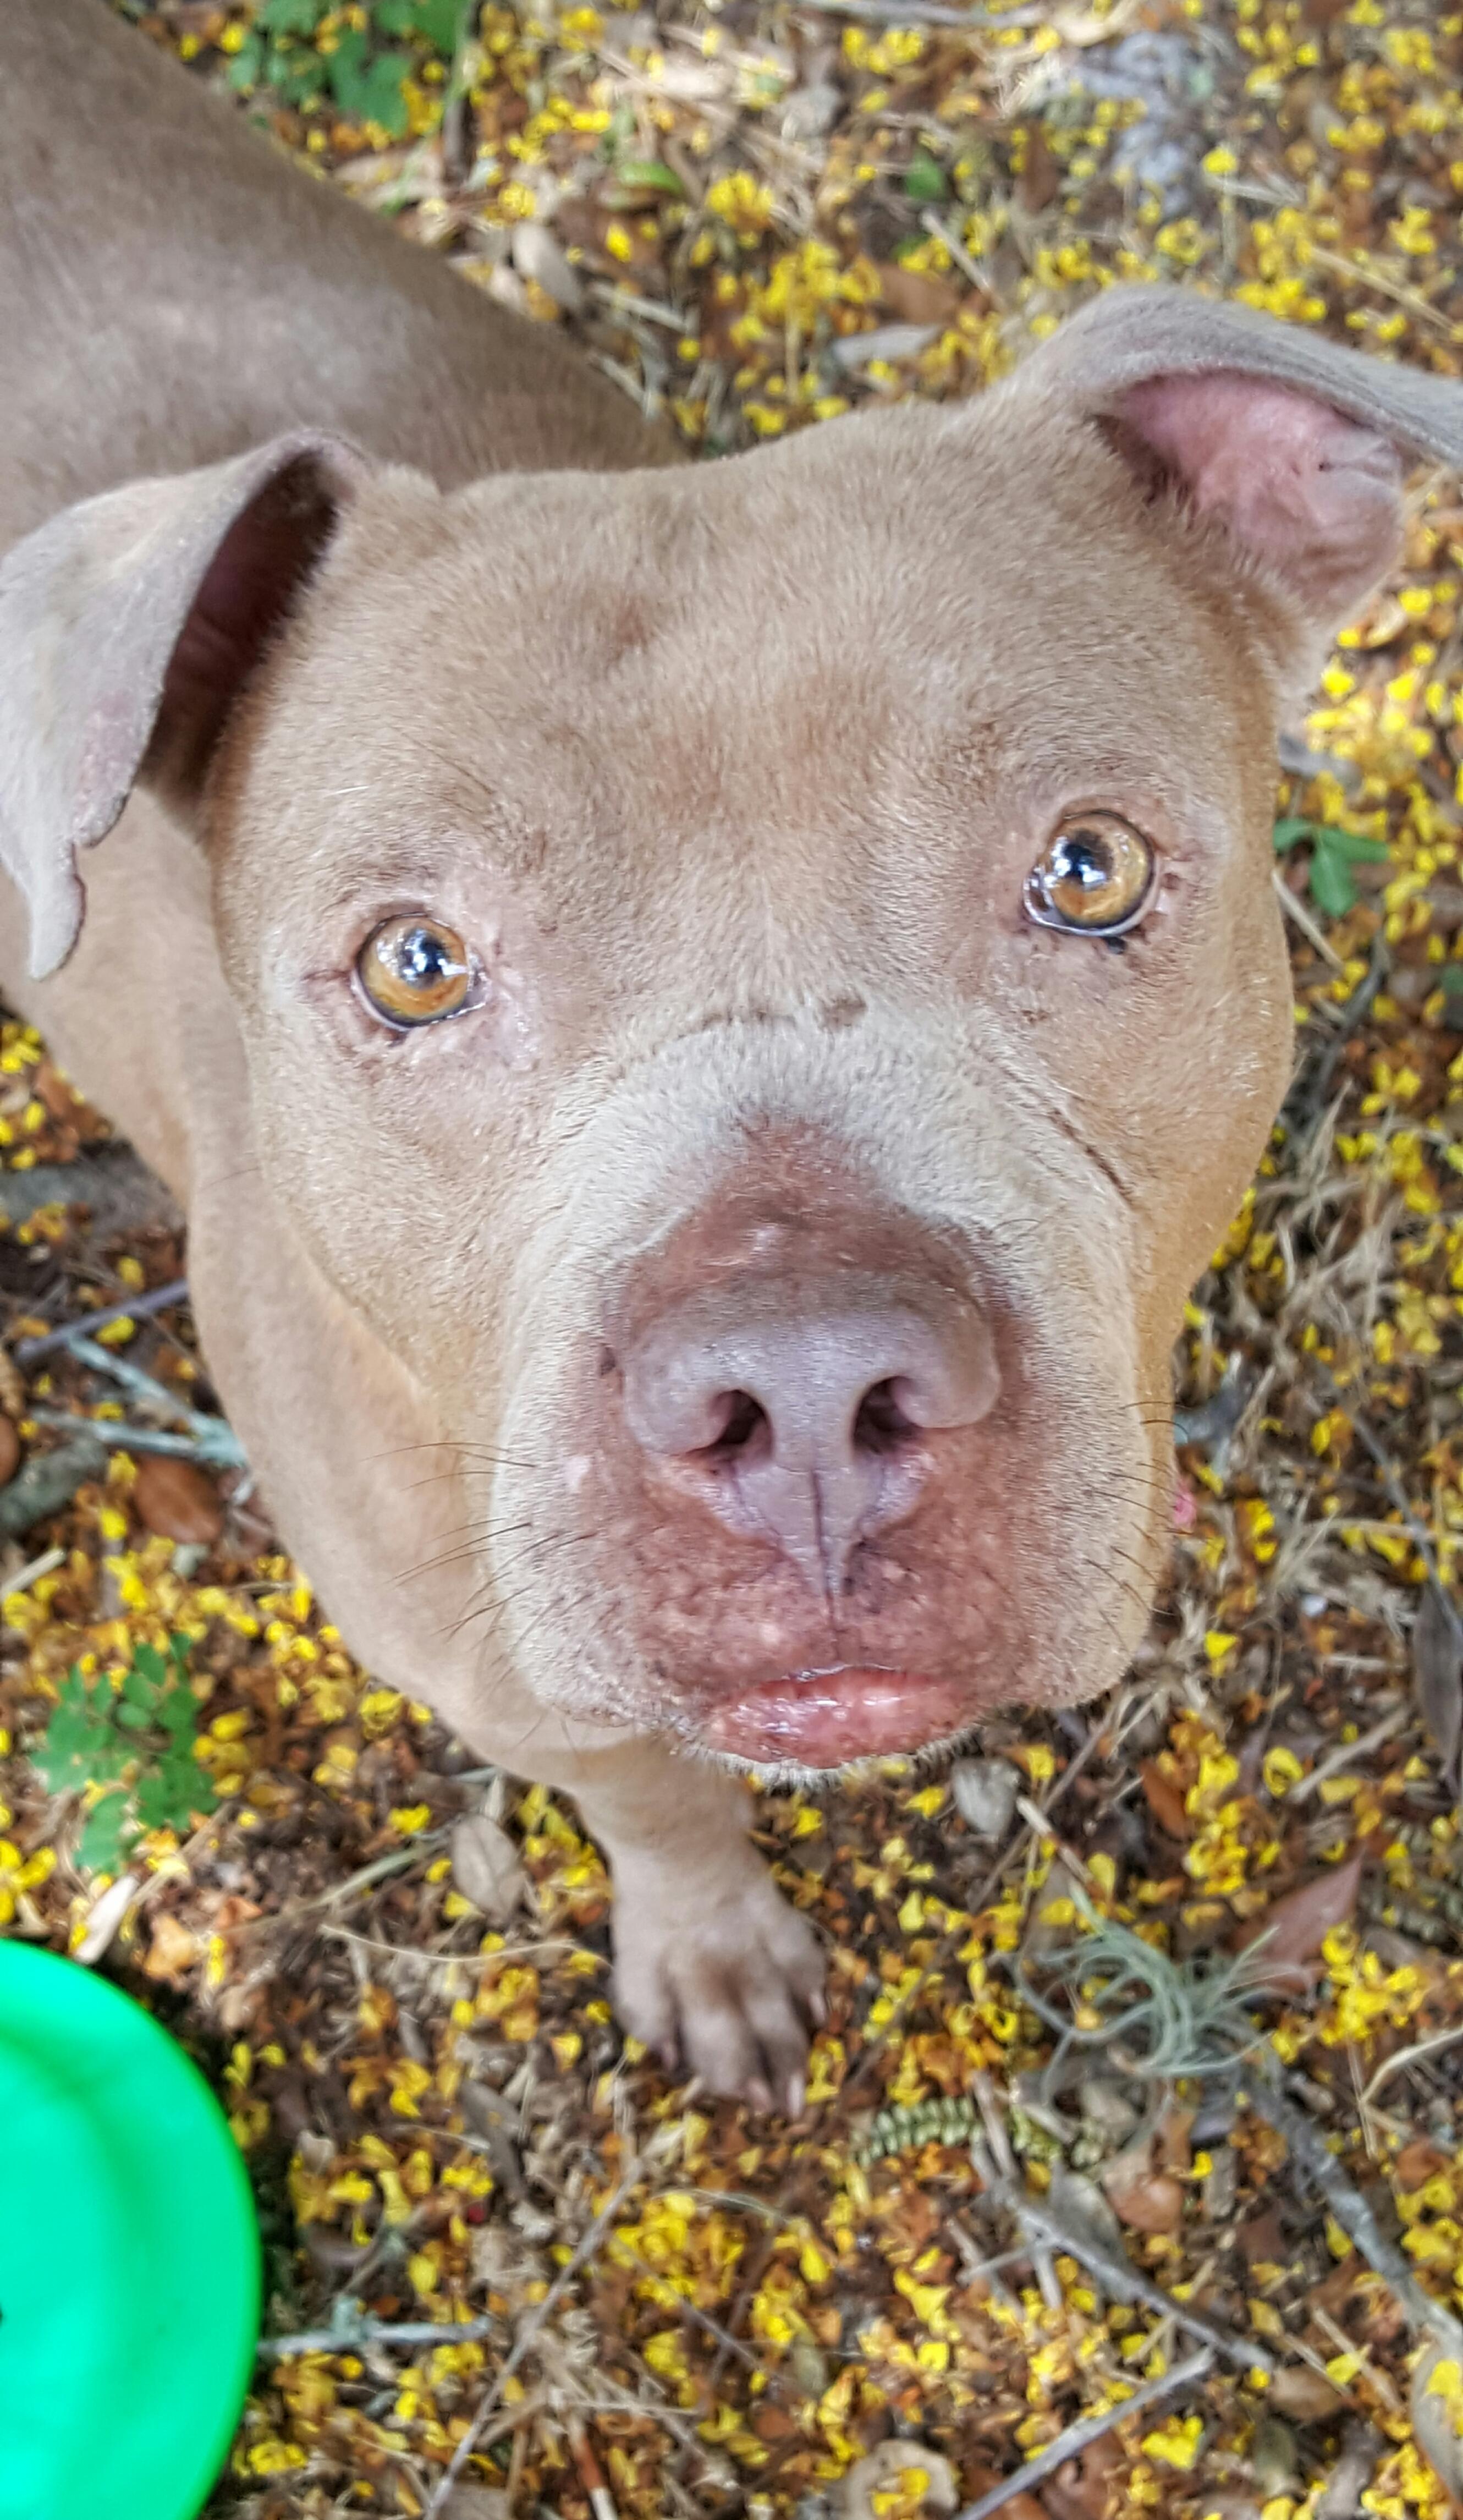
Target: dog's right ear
point(128, 626)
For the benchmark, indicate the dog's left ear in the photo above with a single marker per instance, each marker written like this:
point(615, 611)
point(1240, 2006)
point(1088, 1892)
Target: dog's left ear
point(1294, 443)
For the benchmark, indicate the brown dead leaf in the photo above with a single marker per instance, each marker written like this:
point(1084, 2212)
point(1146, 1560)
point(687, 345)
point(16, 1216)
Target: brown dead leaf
point(978, 2478)
point(1302, 2394)
point(1174, 2150)
point(486, 1866)
point(1418, 2162)
point(917, 296)
point(1437, 1676)
point(171, 1952)
point(10, 1449)
point(1083, 2489)
point(1290, 1934)
point(177, 1499)
point(1165, 1800)
point(1041, 177)
point(1146, 2200)
point(1262, 2242)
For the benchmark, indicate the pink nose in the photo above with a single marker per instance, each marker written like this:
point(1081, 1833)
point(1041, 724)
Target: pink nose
point(798, 1411)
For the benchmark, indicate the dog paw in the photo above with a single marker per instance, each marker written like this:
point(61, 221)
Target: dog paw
point(723, 1980)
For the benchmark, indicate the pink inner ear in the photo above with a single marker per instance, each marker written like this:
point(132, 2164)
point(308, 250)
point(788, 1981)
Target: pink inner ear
point(1309, 493)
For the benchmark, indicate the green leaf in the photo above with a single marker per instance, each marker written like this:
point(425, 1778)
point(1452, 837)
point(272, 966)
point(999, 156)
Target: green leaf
point(102, 1839)
point(247, 65)
point(1347, 844)
point(81, 1746)
point(646, 174)
point(1352, 844)
point(369, 91)
point(290, 16)
point(440, 22)
point(178, 1716)
point(620, 132)
point(924, 178)
point(1331, 888)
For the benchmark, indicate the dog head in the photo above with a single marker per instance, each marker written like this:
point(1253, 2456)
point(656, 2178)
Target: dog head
point(761, 982)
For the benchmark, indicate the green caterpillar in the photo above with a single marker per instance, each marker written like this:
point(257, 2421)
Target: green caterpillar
point(905, 2128)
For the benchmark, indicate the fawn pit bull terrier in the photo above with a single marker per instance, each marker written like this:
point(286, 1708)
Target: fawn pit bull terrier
point(704, 1018)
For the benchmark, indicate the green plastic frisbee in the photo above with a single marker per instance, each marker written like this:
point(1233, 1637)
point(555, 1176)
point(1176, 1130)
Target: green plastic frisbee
point(129, 2258)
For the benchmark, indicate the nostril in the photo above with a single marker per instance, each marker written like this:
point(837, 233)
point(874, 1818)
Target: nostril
point(884, 1422)
point(745, 1431)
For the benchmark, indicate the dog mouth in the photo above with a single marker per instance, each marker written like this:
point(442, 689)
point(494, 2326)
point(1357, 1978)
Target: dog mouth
point(830, 1717)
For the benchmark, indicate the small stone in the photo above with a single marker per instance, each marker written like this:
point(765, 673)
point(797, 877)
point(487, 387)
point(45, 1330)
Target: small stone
point(1105, 2111)
point(1273, 2461)
point(985, 1795)
point(1082, 2206)
point(1218, 2194)
point(809, 2367)
point(177, 1499)
point(9, 1450)
point(541, 258)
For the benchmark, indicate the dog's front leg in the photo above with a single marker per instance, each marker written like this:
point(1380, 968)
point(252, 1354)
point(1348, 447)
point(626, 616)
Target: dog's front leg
point(713, 1968)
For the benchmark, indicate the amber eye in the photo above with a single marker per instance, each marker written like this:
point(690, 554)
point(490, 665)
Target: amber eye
point(414, 971)
point(1095, 877)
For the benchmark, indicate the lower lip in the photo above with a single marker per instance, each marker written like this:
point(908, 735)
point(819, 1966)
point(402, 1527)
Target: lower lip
point(829, 1718)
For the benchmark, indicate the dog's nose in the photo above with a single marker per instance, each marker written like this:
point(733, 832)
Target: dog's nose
point(801, 1412)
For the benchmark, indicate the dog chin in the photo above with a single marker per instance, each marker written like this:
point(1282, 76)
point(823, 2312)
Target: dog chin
point(791, 1776)
point(811, 1726)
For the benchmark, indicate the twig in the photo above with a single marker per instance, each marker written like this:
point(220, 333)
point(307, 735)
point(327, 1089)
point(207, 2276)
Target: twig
point(1420, 1539)
point(954, 246)
point(920, 12)
point(1408, 2056)
point(46, 1564)
point(352, 2333)
point(1333, 2330)
point(1080, 2436)
point(212, 1438)
point(591, 2476)
point(1122, 2278)
point(398, 1861)
point(1295, 910)
point(1362, 276)
point(456, 1959)
point(1351, 2211)
point(524, 2339)
point(1310, 1101)
point(48, 1482)
point(684, 2307)
point(1336, 1760)
point(137, 1308)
